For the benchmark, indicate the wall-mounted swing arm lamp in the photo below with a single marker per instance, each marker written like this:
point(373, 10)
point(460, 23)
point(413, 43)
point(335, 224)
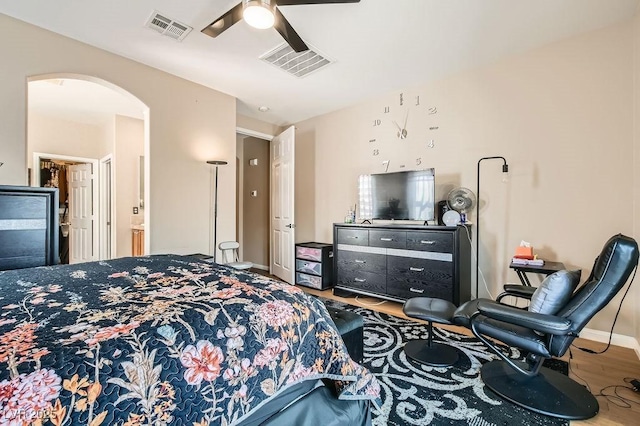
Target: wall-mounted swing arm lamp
point(505, 171)
point(215, 205)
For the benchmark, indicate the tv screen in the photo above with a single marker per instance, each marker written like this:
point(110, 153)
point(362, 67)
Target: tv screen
point(406, 195)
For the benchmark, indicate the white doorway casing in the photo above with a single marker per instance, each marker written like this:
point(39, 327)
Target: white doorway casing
point(107, 208)
point(89, 206)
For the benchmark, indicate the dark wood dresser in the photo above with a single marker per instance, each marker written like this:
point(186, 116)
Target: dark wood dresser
point(28, 227)
point(397, 262)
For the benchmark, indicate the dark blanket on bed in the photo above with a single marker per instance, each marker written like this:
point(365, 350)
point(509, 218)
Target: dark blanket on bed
point(160, 340)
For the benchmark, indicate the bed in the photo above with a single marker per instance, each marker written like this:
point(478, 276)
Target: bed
point(160, 340)
point(169, 339)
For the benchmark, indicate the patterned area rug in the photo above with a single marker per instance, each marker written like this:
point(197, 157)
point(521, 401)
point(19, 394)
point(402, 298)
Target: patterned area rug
point(415, 394)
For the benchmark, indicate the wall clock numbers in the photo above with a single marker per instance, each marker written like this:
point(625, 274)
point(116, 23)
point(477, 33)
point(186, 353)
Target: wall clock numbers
point(376, 152)
point(418, 161)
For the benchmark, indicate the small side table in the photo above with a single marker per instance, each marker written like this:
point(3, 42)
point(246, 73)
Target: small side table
point(547, 268)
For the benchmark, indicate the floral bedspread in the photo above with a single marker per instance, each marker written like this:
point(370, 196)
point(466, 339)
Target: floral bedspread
point(159, 340)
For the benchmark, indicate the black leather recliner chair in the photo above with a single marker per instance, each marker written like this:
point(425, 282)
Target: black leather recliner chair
point(529, 384)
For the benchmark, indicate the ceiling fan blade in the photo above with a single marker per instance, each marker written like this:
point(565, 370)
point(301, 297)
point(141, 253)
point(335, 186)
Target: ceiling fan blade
point(296, 2)
point(288, 33)
point(224, 22)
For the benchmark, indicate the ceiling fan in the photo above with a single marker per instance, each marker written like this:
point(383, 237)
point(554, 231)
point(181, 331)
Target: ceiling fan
point(265, 14)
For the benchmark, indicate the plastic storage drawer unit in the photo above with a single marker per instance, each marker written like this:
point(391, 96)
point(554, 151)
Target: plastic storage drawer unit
point(314, 265)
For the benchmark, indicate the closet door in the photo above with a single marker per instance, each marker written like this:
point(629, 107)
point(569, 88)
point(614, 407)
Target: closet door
point(82, 216)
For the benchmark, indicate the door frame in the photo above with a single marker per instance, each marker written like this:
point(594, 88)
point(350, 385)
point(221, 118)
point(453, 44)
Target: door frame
point(268, 137)
point(106, 187)
point(35, 176)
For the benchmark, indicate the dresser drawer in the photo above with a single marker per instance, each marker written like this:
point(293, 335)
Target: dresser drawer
point(309, 280)
point(408, 269)
point(357, 237)
point(360, 261)
point(309, 253)
point(308, 267)
point(430, 241)
point(388, 238)
point(409, 289)
point(362, 280)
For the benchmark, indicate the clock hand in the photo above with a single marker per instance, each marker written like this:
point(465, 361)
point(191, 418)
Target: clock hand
point(397, 125)
point(406, 117)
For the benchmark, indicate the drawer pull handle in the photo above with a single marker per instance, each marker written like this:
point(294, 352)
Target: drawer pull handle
point(429, 242)
point(359, 280)
point(352, 237)
point(360, 261)
point(416, 290)
point(386, 239)
point(416, 269)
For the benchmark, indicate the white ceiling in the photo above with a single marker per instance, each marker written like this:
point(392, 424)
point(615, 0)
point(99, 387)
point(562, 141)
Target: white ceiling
point(378, 45)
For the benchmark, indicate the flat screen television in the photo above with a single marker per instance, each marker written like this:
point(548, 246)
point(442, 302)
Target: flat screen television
point(408, 195)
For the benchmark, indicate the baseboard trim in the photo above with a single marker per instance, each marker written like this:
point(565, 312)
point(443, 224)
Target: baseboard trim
point(616, 339)
point(261, 267)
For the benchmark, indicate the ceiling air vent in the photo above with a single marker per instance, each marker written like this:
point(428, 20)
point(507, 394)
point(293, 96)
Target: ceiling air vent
point(167, 26)
point(299, 64)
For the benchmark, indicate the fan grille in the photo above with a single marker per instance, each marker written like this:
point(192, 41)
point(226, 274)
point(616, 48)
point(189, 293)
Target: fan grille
point(461, 199)
point(299, 64)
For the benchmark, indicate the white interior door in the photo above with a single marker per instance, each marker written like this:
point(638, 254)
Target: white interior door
point(282, 205)
point(81, 214)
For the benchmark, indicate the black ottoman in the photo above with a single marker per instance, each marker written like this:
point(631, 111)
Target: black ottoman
point(427, 351)
point(351, 327)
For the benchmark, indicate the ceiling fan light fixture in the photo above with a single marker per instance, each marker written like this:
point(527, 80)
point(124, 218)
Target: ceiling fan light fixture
point(259, 13)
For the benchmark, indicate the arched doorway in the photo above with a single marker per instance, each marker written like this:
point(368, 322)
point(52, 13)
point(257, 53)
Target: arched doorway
point(95, 136)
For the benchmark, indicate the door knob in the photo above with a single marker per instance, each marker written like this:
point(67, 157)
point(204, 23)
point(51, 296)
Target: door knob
point(291, 225)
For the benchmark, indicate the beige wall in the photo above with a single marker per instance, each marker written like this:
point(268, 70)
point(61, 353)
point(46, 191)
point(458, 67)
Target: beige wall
point(189, 124)
point(256, 209)
point(129, 146)
point(52, 135)
point(244, 122)
point(563, 117)
point(305, 184)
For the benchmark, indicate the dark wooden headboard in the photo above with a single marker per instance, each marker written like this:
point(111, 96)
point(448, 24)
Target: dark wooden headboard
point(28, 227)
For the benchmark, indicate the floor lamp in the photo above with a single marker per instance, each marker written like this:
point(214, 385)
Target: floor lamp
point(505, 170)
point(215, 205)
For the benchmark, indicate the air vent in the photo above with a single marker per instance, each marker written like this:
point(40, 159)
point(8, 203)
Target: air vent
point(167, 26)
point(299, 64)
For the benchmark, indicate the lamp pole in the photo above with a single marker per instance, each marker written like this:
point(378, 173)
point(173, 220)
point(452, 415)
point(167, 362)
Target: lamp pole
point(215, 205)
point(505, 169)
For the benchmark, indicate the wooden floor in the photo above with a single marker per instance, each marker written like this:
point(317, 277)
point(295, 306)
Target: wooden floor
point(597, 371)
